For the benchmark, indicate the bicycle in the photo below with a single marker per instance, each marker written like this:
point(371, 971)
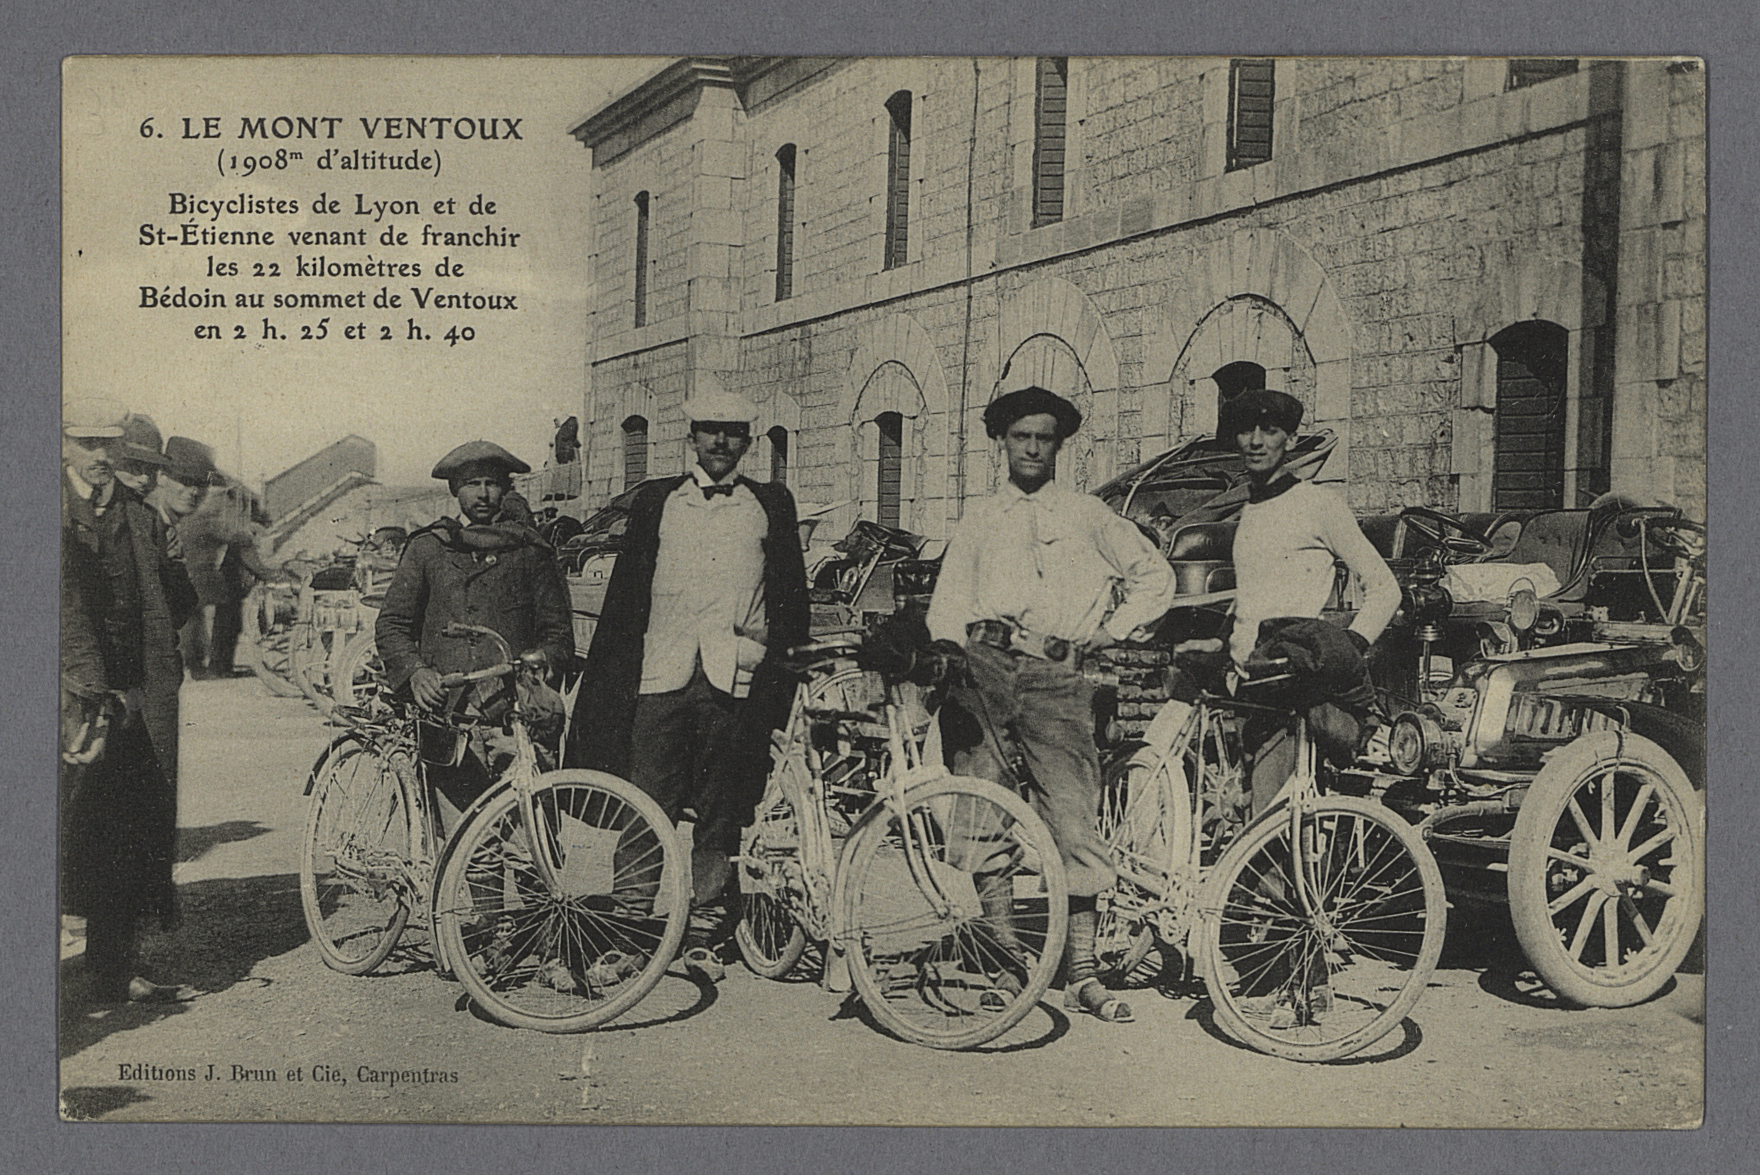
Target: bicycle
point(945, 893)
point(1315, 926)
point(558, 901)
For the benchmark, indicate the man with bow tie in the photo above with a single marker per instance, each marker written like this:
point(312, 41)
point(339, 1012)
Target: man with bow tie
point(682, 688)
point(1037, 577)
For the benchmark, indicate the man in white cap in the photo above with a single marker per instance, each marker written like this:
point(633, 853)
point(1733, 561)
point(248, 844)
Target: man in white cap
point(682, 687)
point(478, 568)
point(122, 600)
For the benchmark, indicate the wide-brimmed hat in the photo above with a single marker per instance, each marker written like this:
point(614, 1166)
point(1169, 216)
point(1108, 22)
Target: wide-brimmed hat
point(191, 463)
point(93, 417)
point(1034, 401)
point(141, 441)
point(1258, 406)
point(478, 454)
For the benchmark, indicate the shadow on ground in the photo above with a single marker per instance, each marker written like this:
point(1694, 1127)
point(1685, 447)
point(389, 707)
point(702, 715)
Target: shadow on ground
point(194, 843)
point(228, 926)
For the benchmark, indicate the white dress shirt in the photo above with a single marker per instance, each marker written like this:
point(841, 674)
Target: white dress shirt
point(1053, 562)
point(708, 593)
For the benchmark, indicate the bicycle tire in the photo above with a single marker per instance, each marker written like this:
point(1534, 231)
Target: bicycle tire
point(937, 979)
point(771, 939)
point(563, 961)
point(1376, 936)
point(265, 648)
point(354, 859)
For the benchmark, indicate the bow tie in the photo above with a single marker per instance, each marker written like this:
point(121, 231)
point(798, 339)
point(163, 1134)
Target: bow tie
point(711, 491)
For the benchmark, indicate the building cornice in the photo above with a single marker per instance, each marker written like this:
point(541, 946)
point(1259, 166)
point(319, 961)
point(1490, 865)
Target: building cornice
point(672, 82)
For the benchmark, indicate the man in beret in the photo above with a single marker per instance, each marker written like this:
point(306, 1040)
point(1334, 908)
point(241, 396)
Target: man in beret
point(1291, 536)
point(478, 568)
point(682, 686)
point(123, 598)
point(1028, 588)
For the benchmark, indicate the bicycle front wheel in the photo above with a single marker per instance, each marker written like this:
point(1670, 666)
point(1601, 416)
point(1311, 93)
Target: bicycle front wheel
point(568, 958)
point(1317, 966)
point(354, 861)
point(954, 910)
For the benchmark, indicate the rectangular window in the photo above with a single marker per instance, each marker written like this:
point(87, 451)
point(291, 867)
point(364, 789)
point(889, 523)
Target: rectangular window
point(891, 480)
point(1050, 119)
point(641, 258)
point(1527, 71)
point(785, 222)
point(898, 179)
point(1252, 91)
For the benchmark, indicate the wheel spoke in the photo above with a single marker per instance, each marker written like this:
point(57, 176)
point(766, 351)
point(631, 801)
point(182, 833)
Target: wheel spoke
point(1608, 821)
point(1654, 843)
point(1585, 924)
point(1583, 824)
point(1566, 899)
point(1635, 813)
point(1637, 919)
point(1610, 953)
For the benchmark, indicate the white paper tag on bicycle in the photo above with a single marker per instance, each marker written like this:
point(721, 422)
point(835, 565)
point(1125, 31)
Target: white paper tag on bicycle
point(588, 857)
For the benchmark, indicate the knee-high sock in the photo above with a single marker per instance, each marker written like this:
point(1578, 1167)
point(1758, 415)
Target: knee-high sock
point(1078, 954)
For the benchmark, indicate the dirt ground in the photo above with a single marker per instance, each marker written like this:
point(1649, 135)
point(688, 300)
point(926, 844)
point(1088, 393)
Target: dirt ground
point(270, 1034)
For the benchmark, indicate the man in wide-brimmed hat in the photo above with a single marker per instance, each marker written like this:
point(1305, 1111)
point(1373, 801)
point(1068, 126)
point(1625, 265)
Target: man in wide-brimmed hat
point(1027, 588)
point(122, 600)
point(477, 568)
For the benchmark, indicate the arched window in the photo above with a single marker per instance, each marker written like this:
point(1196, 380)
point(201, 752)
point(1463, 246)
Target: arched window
point(642, 260)
point(1528, 467)
point(635, 451)
point(1235, 378)
point(778, 455)
point(891, 428)
point(898, 179)
point(785, 222)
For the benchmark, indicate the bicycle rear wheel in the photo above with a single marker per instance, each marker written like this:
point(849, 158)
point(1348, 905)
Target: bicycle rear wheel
point(572, 958)
point(1318, 980)
point(771, 939)
point(954, 958)
point(354, 861)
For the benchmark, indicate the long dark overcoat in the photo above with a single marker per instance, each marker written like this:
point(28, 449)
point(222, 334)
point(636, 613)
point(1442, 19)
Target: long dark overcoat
point(119, 815)
point(599, 736)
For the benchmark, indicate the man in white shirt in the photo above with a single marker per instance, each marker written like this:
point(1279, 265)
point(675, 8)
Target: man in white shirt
point(1035, 578)
point(1291, 536)
point(682, 690)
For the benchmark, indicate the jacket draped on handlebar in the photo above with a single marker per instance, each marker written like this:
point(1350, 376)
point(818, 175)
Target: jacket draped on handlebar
point(604, 713)
point(502, 577)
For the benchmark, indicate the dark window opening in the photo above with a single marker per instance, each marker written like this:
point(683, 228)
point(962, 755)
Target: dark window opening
point(785, 222)
point(778, 455)
point(1528, 71)
point(635, 451)
point(642, 261)
point(1528, 463)
point(1050, 121)
point(1236, 378)
point(1252, 91)
point(898, 179)
point(891, 426)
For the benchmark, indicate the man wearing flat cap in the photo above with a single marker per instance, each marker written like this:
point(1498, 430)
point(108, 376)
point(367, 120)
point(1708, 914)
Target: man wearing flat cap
point(1028, 587)
point(682, 688)
point(479, 568)
point(1291, 536)
point(123, 599)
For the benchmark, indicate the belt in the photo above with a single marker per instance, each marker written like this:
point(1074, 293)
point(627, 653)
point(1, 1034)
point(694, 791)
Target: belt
point(1000, 634)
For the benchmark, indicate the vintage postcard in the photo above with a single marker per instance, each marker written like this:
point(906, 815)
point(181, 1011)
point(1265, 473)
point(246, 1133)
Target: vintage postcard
point(460, 452)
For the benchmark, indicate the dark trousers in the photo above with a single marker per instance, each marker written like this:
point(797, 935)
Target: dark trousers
point(682, 745)
point(1045, 708)
point(1269, 743)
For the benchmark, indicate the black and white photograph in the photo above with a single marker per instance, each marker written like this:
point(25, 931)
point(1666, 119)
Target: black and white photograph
point(883, 590)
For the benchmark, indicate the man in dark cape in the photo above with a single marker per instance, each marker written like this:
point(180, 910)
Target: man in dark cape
point(680, 705)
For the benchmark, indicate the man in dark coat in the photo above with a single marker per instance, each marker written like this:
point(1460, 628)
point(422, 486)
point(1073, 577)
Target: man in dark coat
point(123, 598)
point(682, 686)
point(479, 568)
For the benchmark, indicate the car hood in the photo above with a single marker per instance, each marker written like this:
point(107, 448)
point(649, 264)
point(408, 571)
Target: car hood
point(1203, 480)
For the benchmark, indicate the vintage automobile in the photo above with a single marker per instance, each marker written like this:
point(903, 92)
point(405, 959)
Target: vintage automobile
point(1551, 745)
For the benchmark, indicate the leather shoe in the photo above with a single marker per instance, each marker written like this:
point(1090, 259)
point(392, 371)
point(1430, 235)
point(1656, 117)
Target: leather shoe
point(141, 991)
point(701, 963)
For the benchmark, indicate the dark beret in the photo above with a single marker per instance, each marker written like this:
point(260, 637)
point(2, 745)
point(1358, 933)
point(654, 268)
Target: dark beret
point(479, 453)
point(1255, 407)
point(1035, 401)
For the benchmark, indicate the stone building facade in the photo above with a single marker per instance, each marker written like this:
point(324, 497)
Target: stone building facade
point(1486, 276)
